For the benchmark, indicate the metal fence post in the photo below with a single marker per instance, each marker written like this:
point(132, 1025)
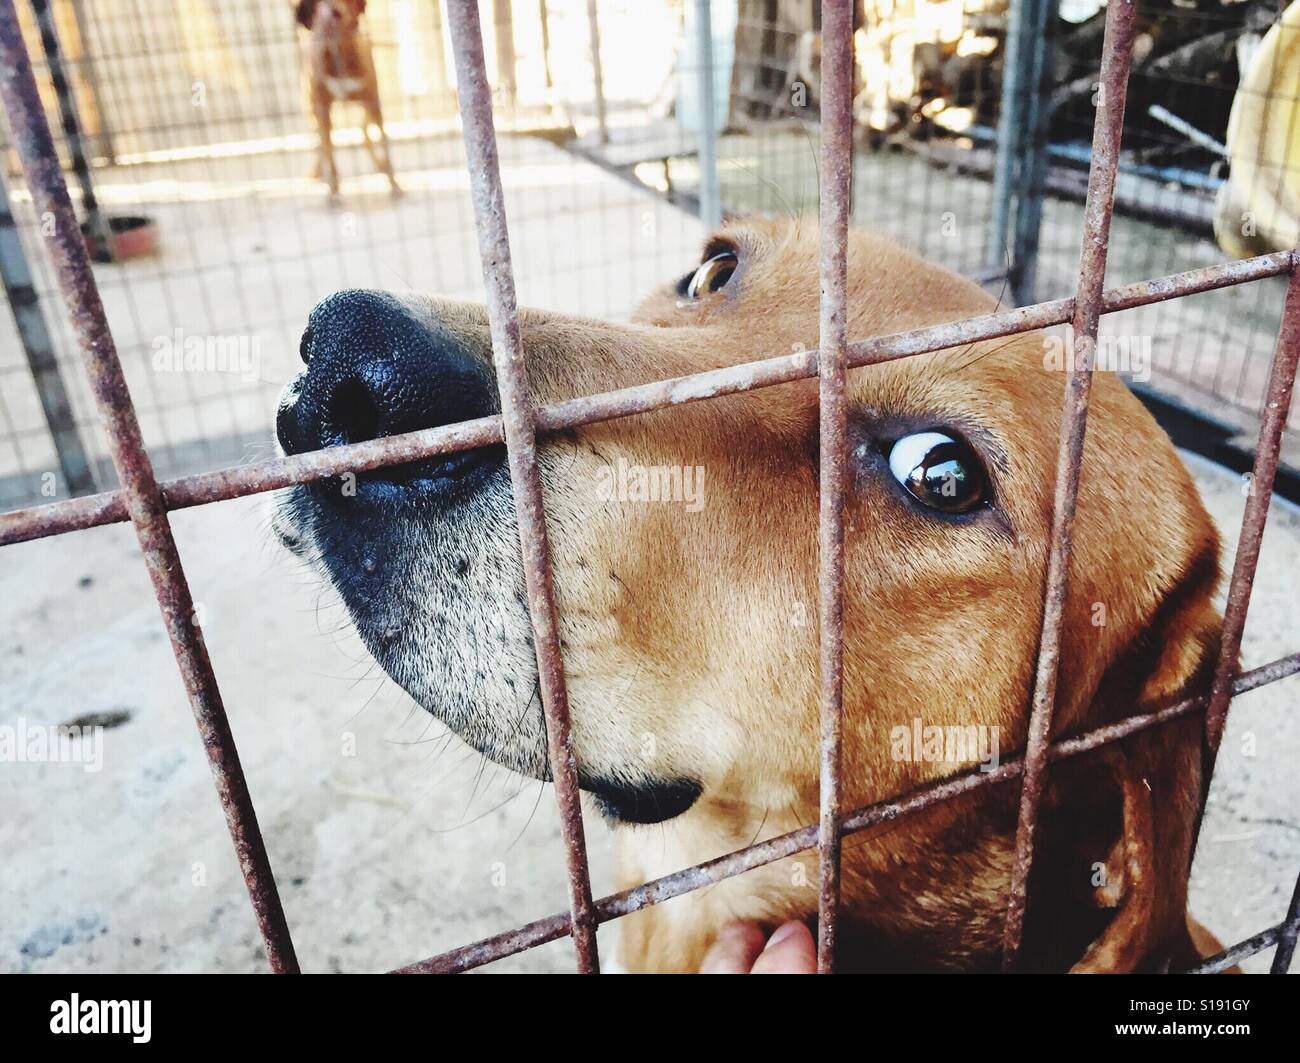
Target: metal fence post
point(710, 197)
point(29, 319)
point(104, 130)
point(1117, 55)
point(1010, 123)
point(835, 196)
point(1286, 941)
point(1021, 161)
point(96, 221)
point(544, 22)
point(1033, 167)
point(503, 32)
point(519, 427)
point(597, 72)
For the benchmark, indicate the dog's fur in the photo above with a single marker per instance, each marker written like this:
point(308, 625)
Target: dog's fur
point(690, 638)
point(341, 69)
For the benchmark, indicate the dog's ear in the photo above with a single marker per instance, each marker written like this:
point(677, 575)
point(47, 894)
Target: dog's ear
point(1182, 643)
point(361, 7)
point(1166, 625)
point(305, 12)
point(1157, 774)
point(1128, 883)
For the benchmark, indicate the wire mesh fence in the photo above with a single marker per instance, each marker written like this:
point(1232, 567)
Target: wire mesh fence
point(193, 116)
point(194, 122)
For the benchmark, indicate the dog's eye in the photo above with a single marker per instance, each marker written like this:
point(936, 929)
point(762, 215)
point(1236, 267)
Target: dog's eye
point(711, 275)
point(939, 471)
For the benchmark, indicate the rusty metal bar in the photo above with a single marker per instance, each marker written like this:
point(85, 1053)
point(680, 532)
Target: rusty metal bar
point(1290, 929)
point(518, 418)
point(141, 495)
point(1277, 405)
point(109, 507)
point(835, 196)
point(1117, 50)
point(1232, 956)
point(616, 905)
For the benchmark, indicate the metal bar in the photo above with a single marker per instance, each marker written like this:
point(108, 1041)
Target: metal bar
point(1277, 405)
point(707, 135)
point(143, 499)
point(503, 34)
point(597, 72)
point(835, 192)
point(1117, 49)
point(1011, 130)
point(90, 75)
point(1180, 125)
point(519, 425)
point(38, 347)
point(1027, 228)
point(1230, 957)
point(55, 518)
point(1289, 930)
point(616, 905)
point(96, 221)
point(544, 21)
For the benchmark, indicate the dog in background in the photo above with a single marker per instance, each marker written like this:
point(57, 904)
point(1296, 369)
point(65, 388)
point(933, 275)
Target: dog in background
point(340, 68)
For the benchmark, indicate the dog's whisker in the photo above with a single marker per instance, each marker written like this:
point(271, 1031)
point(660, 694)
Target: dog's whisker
point(537, 803)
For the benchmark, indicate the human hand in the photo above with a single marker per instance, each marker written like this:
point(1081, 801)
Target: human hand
point(741, 949)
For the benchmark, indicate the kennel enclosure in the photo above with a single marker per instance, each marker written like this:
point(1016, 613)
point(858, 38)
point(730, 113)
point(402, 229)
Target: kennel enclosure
point(146, 502)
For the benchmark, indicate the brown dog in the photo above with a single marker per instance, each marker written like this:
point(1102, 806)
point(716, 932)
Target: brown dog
point(341, 69)
point(685, 551)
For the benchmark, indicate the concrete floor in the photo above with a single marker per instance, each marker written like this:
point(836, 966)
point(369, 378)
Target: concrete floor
point(386, 839)
point(390, 841)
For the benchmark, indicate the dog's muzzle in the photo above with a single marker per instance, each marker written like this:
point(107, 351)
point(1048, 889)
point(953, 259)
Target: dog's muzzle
point(375, 370)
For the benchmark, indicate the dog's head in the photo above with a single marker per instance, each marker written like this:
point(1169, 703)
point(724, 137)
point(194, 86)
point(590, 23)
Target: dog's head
point(330, 17)
point(685, 553)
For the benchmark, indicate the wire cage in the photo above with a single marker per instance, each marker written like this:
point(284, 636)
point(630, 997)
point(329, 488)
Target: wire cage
point(135, 434)
point(970, 145)
point(193, 116)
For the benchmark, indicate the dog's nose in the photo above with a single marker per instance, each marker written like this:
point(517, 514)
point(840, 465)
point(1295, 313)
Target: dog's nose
point(374, 369)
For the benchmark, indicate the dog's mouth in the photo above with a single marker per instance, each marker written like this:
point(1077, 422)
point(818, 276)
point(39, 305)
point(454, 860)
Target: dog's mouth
point(454, 635)
point(643, 802)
